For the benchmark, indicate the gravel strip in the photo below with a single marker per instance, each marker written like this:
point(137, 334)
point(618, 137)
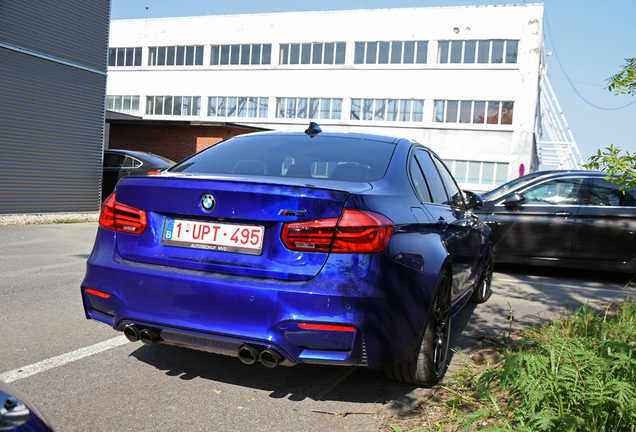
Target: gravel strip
point(47, 218)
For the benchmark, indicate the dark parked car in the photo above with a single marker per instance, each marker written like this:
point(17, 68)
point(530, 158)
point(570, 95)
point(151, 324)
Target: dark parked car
point(122, 163)
point(18, 414)
point(571, 219)
point(286, 248)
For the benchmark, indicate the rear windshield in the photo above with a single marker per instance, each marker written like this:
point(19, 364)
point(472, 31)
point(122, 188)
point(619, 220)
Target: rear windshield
point(158, 160)
point(297, 156)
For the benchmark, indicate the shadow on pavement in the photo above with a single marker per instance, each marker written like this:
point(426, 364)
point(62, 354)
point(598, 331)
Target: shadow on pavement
point(316, 382)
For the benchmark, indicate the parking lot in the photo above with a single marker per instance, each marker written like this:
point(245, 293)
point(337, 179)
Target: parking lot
point(85, 376)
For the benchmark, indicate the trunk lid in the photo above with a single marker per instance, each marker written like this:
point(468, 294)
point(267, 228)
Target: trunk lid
point(241, 207)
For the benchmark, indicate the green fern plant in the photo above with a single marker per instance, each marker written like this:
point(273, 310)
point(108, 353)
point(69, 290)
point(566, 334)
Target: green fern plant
point(577, 374)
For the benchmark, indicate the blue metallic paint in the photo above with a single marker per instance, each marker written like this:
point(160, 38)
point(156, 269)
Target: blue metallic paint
point(386, 296)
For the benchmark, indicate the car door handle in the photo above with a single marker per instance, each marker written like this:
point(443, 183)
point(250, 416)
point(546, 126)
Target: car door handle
point(563, 213)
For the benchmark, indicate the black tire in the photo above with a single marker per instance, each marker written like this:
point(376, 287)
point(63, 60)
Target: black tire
point(482, 290)
point(431, 359)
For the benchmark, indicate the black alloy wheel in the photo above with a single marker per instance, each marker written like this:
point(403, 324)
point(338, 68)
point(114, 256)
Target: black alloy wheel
point(431, 360)
point(482, 290)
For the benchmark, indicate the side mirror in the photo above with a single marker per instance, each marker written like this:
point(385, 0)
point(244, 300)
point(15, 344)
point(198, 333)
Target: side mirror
point(514, 199)
point(473, 200)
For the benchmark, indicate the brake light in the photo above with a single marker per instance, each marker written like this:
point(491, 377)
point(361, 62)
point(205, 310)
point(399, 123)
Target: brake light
point(122, 218)
point(356, 231)
point(153, 172)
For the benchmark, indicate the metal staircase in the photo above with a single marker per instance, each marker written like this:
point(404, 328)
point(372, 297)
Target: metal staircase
point(556, 148)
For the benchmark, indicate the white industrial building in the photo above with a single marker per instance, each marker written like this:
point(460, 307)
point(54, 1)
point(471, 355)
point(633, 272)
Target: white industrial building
point(469, 82)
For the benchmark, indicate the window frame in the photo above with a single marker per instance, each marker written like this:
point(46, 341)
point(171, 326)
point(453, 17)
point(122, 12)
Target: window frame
point(315, 53)
point(170, 56)
point(407, 52)
point(486, 51)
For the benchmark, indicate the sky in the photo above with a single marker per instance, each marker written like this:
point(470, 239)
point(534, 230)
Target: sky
point(589, 41)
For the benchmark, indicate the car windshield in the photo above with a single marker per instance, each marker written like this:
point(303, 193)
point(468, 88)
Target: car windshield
point(504, 189)
point(321, 157)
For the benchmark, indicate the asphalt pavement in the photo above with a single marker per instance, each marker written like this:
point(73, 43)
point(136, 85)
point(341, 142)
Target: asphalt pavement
point(85, 376)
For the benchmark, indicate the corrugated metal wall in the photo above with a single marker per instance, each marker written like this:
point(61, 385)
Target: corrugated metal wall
point(52, 86)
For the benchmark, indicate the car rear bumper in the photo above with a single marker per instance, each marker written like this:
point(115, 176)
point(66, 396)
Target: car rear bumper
point(378, 307)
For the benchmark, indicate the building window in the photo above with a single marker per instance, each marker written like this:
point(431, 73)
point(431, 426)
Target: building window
point(303, 108)
point(476, 112)
point(124, 56)
point(478, 173)
point(246, 54)
point(409, 52)
point(313, 53)
point(405, 110)
point(473, 51)
point(175, 56)
point(123, 104)
point(173, 105)
point(253, 107)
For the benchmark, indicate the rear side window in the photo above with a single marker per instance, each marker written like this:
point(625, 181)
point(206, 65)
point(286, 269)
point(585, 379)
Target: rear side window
point(132, 162)
point(433, 180)
point(604, 193)
point(114, 160)
point(294, 156)
point(457, 198)
point(419, 183)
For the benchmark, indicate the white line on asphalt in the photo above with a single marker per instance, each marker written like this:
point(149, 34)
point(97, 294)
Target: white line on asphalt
point(61, 360)
point(532, 282)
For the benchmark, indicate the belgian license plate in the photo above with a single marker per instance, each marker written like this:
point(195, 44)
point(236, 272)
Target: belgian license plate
point(221, 237)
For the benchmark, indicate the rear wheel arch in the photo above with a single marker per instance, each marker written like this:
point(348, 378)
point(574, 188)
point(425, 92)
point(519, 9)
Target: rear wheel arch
point(429, 361)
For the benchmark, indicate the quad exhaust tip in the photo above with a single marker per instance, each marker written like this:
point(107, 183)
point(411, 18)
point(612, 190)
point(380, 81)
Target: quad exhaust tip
point(131, 332)
point(249, 354)
point(269, 357)
point(149, 337)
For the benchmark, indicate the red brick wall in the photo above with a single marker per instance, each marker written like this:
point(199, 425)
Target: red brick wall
point(175, 142)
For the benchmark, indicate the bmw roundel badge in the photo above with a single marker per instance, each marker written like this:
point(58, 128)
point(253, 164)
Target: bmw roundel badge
point(208, 202)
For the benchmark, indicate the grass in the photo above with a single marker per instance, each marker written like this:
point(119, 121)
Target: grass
point(577, 373)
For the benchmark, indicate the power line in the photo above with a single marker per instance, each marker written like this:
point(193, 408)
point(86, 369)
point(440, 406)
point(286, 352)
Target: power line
point(568, 78)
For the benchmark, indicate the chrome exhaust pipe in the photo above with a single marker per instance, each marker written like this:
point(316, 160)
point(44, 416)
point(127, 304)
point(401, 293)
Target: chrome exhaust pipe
point(271, 358)
point(149, 337)
point(131, 332)
point(248, 354)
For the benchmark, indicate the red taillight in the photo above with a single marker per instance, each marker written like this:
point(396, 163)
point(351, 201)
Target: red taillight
point(315, 235)
point(97, 293)
point(362, 232)
point(357, 231)
point(331, 327)
point(154, 172)
point(120, 217)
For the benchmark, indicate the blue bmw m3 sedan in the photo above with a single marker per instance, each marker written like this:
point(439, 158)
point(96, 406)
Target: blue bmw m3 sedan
point(286, 248)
